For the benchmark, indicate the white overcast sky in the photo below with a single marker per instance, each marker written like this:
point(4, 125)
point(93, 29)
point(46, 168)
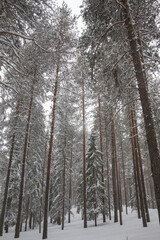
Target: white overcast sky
point(75, 7)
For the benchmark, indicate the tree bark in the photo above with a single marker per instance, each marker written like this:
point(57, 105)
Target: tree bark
point(9, 171)
point(17, 229)
point(146, 106)
point(45, 223)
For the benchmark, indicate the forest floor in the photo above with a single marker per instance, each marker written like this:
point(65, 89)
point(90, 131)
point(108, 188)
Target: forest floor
point(130, 230)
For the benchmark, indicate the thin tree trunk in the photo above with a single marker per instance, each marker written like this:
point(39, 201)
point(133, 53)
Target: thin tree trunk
point(140, 165)
point(150, 184)
point(17, 229)
point(95, 220)
point(108, 177)
point(9, 171)
point(114, 176)
point(146, 106)
point(30, 220)
point(9, 201)
point(134, 164)
point(45, 223)
point(120, 188)
point(116, 169)
point(137, 170)
point(64, 182)
point(101, 147)
point(84, 157)
point(70, 189)
point(42, 189)
point(27, 212)
point(124, 179)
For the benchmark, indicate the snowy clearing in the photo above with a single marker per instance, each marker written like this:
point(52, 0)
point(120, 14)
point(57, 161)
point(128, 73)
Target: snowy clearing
point(131, 230)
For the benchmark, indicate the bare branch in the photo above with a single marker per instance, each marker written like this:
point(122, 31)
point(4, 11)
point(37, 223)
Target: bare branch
point(152, 58)
point(119, 60)
point(119, 3)
point(8, 86)
point(16, 34)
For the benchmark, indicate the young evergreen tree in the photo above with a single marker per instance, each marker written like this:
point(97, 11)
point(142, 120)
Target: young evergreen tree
point(95, 185)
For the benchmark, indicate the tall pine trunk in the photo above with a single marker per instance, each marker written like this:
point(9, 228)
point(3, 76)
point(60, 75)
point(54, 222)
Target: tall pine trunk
point(140, 165)
point(70, 189)
point(134, 164)
point(27, 213)
point(124, 179)
point(146, 106)
point(9, 171)
point(115, 200)
point(141, 195)
point(42, 186)
point(108, 176)
point(101, 147)
point(84, 158)
point(45, 223)
point(117, 174)
point(18, 222)
point(64, 182)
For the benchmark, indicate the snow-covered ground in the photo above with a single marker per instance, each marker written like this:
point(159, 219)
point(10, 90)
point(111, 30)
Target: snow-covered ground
point(131, 230)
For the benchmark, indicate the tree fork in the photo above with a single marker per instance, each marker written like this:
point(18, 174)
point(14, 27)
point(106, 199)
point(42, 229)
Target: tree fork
point(146, 106)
